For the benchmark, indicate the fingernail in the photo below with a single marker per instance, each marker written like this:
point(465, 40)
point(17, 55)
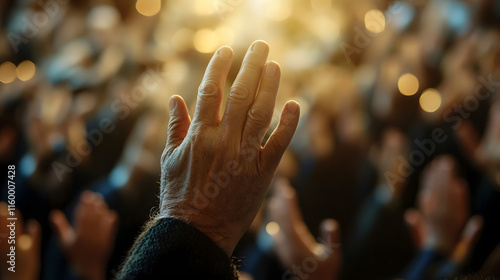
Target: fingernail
point(271, 69)
point(172, 103)
point(260, 46)
point(224, 52)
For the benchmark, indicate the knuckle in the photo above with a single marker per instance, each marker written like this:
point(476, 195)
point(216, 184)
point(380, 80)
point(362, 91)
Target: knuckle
point(202, 140)
point(174, 123)
point(239, 92)
point(208, 90)
point(269, 87)
point(258, 115)
point(175, 127)
point(279, 142)
point(286, 121)
point(253, 66)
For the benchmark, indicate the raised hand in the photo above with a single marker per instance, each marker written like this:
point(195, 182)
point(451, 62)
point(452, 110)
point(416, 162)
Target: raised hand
point(215, 173)
point(442, 221)
point(488, 153)
point(294, 243)
point(27, 247)
point(88, 243)
point(387, 159)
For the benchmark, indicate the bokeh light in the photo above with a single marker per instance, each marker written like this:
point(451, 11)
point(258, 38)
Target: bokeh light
point(25, 70)
point(408, 84)
point(7, 72)
point(203, 7)
point(430, 100)
point(224, 35)
point(319, 251)
point(205, 41)
point(375, 21)
point(321, 4)
point(103, 17)
point(272, 228)
point(84, 99)
point(148, 7)
point(182, 39)
point(25, 242)
point(278, 10)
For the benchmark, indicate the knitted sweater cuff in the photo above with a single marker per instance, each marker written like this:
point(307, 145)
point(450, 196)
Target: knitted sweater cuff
point(173, 248)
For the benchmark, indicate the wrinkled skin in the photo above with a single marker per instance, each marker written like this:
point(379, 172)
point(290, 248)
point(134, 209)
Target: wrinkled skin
point(215, 173)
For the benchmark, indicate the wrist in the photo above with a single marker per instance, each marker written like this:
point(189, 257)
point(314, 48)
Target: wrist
point(212, 228)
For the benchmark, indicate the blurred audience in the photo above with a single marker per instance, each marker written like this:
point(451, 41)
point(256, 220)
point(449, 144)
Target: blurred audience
point(398, 146)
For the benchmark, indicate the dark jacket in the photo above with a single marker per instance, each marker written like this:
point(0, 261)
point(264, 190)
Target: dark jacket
point(172, 249)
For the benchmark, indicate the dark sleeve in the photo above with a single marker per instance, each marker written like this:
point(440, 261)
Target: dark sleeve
point(172, 249)
point(426, 265)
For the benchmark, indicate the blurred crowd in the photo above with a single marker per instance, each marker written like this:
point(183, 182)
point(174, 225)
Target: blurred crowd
point(394, 171)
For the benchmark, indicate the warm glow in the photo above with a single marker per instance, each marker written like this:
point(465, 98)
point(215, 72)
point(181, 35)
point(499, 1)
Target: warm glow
point(224, 35)
point(103, 17)
point(375, 21)
point(24, 242)
point(7, 72)
point(327, 28)
point(182, 39)
point(321, 4)
point(25, 70)
point(319, 251)
point(148, 7)
point(278, 10)
point(430, 100)
point(408, 84)
point(272, 228)
point(203, 7)
point(4, 211)
point(205, 41)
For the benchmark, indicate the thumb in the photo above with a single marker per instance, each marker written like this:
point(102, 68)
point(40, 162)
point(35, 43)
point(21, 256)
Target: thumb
point(470, 235)
point(63, 229)
point(178, 124)
point(415, 221)
point(330, 237)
